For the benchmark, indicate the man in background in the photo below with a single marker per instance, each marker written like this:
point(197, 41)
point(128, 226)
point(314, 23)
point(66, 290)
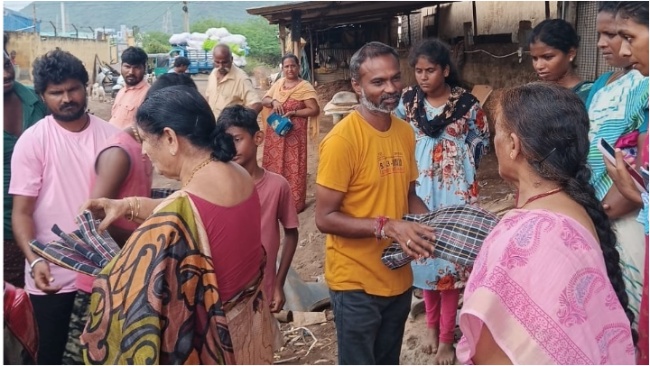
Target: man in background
point(229, 85)
point(129, 98)
point(180, 65)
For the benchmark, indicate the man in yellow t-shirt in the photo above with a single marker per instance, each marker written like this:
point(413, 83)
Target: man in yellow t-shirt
point(365, 184)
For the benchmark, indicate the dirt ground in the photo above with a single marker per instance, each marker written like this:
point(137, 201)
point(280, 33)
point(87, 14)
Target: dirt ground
point(318, 344)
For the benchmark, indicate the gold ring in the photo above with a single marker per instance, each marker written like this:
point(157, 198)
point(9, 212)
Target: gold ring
point(408, 243)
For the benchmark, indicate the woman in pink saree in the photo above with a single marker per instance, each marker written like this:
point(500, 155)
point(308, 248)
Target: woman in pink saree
point(547, 287)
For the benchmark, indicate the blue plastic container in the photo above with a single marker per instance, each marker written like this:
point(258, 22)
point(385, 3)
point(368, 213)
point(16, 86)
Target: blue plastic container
point(281, 125)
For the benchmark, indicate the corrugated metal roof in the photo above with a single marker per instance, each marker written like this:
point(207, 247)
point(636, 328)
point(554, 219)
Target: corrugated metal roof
point(16, 22)
point(329, 13)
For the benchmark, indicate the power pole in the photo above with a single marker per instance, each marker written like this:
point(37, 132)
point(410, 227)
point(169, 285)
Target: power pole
point(34, 16)
point(62, 19)
point(186, 17)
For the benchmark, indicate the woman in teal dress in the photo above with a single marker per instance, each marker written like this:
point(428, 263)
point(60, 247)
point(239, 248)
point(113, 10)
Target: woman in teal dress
point(554, 46)
point(451, 135)
point(618, 106)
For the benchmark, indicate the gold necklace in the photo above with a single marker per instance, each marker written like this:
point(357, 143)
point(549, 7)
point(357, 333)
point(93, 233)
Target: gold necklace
point(196, 169)
point(136, 134)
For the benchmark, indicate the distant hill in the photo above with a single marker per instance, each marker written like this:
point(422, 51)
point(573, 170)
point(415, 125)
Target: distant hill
point(147, 15)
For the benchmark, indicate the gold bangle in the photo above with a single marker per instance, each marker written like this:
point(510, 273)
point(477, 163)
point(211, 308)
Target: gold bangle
point(137, 208)
point(130, 209)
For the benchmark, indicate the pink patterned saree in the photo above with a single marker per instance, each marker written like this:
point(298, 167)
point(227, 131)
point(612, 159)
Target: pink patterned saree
point(540, 286)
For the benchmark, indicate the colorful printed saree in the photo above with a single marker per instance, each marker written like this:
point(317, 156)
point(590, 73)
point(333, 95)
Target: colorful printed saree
point(157, 302)
point(541, 288)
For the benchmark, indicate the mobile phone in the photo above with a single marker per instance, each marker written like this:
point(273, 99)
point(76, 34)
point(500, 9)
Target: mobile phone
point(609, 153)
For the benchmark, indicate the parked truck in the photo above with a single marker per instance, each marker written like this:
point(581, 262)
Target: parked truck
point(200, 60)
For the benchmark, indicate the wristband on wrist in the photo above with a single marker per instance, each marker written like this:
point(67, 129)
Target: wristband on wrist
point(380, 222)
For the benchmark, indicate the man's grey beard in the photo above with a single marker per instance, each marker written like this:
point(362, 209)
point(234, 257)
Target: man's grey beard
point(380, 108)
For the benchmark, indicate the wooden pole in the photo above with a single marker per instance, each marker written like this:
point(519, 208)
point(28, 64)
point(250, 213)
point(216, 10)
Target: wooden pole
point(311, 57)
point(408, 20)
point(436, 20)
point(474, 18)
point(283, 38)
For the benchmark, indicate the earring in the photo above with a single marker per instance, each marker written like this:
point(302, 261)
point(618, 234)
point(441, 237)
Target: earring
point(571, 59)
point(512, 155)
point(173, 153)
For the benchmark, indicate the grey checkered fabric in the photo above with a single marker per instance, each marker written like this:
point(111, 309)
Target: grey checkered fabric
point(459, 230)
point(162, 192)
point(84, 250)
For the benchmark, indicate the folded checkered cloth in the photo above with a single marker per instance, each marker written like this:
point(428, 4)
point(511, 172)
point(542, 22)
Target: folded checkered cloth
point(84, 250)
point(459, 230)
point(161, 192)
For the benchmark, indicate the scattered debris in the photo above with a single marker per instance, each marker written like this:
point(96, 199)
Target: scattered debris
point(301, 336)
point(286, 360)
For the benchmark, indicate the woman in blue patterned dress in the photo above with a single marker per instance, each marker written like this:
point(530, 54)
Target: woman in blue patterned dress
point(451, 135)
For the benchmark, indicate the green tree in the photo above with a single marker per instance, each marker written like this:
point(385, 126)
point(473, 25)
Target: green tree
point(155, 42)
point(260, 36)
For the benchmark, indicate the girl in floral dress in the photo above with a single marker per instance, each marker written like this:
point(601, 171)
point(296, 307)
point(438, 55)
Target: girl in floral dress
point(451, 135)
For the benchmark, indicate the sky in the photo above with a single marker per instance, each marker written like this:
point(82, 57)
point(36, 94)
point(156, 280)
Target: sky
point(16, 5)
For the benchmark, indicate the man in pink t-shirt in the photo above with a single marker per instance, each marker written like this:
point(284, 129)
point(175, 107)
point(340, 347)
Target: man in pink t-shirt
point(129, 98)
point(51, 169)
point(275, 198)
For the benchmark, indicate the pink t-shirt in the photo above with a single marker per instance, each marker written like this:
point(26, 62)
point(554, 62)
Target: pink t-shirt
point(137, 184)
point(277, 205)
point(55, 165)
point(127, 102)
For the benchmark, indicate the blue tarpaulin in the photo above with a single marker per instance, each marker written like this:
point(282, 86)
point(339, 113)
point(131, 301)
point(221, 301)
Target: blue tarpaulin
point(16, 22)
